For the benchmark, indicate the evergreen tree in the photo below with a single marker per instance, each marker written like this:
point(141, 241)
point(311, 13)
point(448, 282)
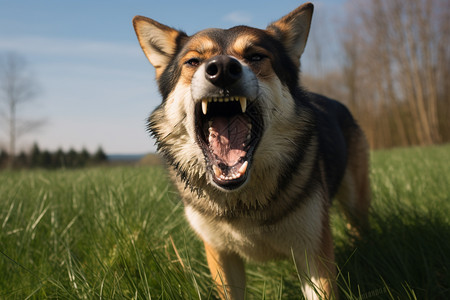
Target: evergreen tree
point(72, 158)
point(21, 160)
point(59, 159)
point(100, 156)
point(45, 160)
point(3, 158)
point(35, 156)
point(84, 157)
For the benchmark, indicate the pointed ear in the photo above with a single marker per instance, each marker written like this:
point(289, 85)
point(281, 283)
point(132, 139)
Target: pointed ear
point(293, 29)
point(158, 41)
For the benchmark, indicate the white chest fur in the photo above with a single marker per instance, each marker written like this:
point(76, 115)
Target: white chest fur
point(254, 241)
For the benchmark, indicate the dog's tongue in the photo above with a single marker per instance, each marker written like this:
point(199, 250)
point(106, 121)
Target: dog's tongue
point(227, 138)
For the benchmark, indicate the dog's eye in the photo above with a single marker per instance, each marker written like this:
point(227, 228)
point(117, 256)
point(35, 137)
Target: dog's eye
point(256, 57)
point(193, 62)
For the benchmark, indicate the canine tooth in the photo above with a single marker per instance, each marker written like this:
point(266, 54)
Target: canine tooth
point(226, 99)
point(205, 106)
point(243, 168)
point(210, 138)
point(243, 102)
point(217, 171)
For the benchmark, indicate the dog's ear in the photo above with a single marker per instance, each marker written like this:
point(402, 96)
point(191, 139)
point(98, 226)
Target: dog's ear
point(158, 41)
point(293, 29)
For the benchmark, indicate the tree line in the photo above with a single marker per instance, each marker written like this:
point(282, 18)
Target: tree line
point(37, 158)
point(394, 72)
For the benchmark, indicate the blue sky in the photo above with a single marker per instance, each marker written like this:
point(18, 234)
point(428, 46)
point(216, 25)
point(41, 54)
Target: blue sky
point(97, 88)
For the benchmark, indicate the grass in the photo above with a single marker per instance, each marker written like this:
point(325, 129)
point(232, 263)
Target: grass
point(120, 233)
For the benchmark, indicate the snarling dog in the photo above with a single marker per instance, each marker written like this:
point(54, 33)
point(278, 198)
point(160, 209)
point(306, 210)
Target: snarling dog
point(256, 158)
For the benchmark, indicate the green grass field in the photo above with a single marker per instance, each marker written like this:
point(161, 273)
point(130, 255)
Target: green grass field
point(120, 233)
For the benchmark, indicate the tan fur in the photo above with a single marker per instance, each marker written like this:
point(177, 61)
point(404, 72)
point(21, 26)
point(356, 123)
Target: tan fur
point(293, 30)
point(262, 219)
point(156, 46)
point(227, 270)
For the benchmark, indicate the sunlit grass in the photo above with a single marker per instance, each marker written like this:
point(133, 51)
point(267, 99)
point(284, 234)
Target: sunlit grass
point(120, 233)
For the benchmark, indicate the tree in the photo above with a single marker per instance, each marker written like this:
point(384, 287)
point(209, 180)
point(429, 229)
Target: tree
point(35, 156)
point(84, 157)
point(396, 70)
point(3, 157)
point(99, 156)
point(17, 87)
point(59, 159)
point(72, 158)
point(46, 159)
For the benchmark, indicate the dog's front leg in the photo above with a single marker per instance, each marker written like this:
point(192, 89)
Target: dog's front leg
point(228, 272)
point(318, 269)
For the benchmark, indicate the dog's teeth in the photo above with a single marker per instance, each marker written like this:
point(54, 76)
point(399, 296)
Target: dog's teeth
point(243, 102)
point(210, 137)
point(217, 171)
point(214, 99)
point(226, 99)
point(205, 106)
point(243, 168)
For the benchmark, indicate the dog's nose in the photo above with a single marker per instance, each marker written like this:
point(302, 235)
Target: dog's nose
point(223, 70)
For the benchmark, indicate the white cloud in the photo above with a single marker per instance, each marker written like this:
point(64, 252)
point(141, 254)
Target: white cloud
point(238, 18)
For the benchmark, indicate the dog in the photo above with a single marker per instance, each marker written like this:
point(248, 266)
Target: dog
point(255, 157)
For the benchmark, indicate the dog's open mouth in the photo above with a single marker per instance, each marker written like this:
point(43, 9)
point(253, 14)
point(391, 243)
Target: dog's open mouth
point(228, 131)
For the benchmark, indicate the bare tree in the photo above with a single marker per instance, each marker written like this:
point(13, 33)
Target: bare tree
point(397, 64)
point(17, 87)
point(395, 73)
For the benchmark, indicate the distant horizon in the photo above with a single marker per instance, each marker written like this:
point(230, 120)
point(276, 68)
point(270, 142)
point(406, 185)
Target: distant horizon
point(78, 149)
